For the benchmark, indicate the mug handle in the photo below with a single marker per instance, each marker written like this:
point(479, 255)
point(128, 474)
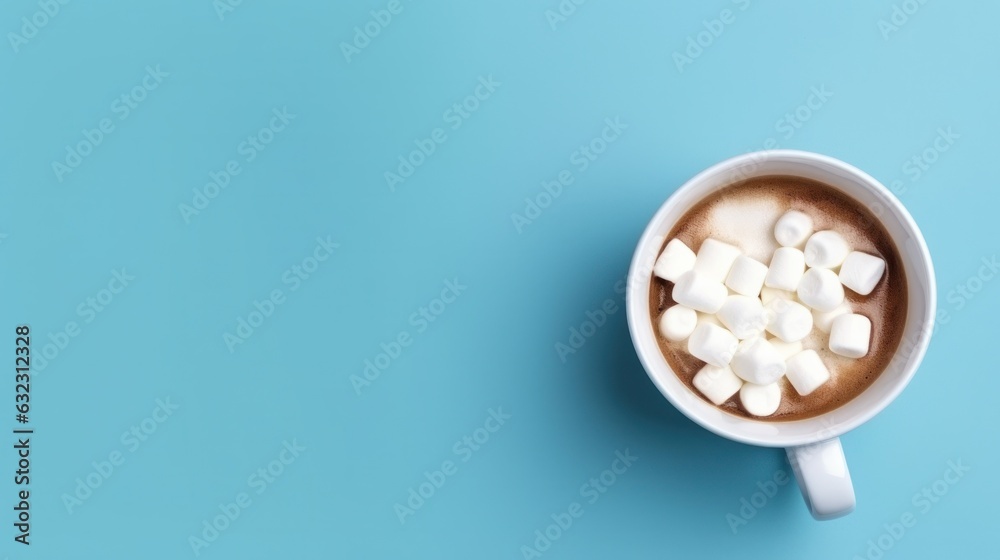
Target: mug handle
point(822, 474)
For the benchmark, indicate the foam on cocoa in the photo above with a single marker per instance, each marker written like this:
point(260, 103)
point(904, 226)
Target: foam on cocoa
point(744, 215)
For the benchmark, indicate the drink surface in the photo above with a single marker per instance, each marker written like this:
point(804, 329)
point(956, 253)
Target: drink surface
point(744, 214)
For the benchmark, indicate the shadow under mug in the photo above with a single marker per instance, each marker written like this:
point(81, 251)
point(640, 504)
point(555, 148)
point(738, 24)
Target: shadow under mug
point(812, 444)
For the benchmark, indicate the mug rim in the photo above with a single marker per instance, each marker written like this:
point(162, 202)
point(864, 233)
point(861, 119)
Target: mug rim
point(642, 347)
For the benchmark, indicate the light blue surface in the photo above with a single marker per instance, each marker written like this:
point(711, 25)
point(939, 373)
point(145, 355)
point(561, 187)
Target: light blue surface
point(493, 346)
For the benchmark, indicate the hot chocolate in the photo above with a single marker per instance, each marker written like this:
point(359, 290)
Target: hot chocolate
point(832, 338)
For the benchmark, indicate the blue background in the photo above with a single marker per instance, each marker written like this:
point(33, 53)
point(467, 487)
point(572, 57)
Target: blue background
point(295, 379)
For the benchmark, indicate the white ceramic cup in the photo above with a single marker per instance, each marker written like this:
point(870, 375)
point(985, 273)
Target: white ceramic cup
point(812, 445)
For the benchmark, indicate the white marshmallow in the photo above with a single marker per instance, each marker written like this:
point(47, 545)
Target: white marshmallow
point(699, 292)
point(757, 361)
point(861, 272)
point(709, 318)
point(823, 320)
point(806, 372)
point(712, 345)
point(744, 316)
point(826, 249)
point(760, 400)
point(676, 259)
point(820, 289)
point(790, 320)
point(850, 334)
point(793, 228)
point(715, 259)
point(786, 269)
point(718, 384)
point(678, 322)
point(767, 295)
point(746, 277)
point(786, 349)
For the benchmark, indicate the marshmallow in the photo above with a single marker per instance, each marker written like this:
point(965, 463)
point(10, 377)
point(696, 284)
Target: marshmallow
point(697, 291)
point(676, 259)
point(861, 272)
point(760, 400)
point(790, 321)
point(786, 349)
point(826, 249)
point(793, 228)
point(849, 335)
point(757, 361)
point(708, 318)
point(806, 372)
point(767, 295)
point(678, 322)
point(823, 320)
point(820, 289)
point(746, 277)
point(713, 345)
point(743, 315)
point(786, 269)
point(715, 258)
point(718, 384)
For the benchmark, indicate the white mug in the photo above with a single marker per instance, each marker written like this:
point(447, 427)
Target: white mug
point(812, 444)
